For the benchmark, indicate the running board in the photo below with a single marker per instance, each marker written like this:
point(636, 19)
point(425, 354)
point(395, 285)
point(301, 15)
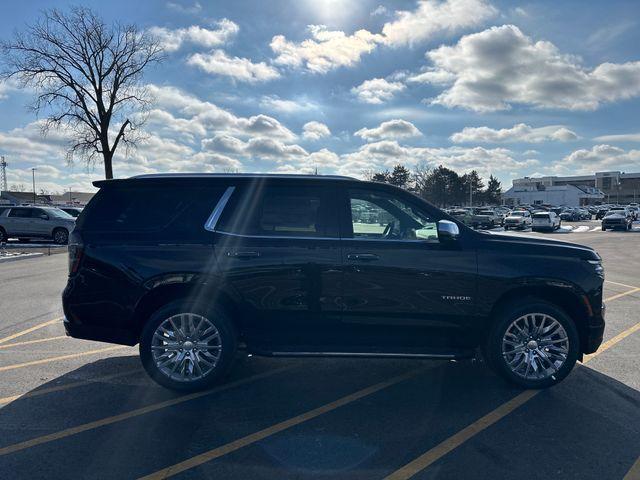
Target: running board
point(439, 356)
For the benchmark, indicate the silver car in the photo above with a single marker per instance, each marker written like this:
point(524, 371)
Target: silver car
point(36, 222)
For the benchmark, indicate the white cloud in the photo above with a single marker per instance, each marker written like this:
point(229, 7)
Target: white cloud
point(380, 10)
point(377, 90)
point(218, 62)
point(325, 50)
point(392, 129)
point(315, 130)
point(501, 66)
point(256, 148)
point(387, 153)
point(173, 39)
point(330, 49)
point(600, 158)
point(273, 102)
point(518, 133)
point(436, 17)
point(190, 9)
point(206, 117)
point(625, 137)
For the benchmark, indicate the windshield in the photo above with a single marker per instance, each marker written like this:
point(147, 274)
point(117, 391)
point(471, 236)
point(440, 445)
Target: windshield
point(516, 214)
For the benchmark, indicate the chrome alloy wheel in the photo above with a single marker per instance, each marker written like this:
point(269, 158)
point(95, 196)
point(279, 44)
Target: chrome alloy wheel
point(535, 346)
point(186, 347)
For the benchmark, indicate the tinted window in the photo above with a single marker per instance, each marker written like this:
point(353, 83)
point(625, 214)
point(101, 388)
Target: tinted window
point(39, 213)
point(279, 211)
point(139, 208)
point(377, 215)
point(20, 212)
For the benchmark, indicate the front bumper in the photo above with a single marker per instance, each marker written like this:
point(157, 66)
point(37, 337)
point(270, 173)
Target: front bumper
point(595, 332)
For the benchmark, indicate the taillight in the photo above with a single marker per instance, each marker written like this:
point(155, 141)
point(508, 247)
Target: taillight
point(75, 255)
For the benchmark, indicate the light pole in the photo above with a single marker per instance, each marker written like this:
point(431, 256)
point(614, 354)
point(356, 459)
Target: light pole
point(33, 178)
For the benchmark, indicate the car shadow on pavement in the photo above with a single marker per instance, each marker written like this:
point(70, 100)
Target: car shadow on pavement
point(73, 426)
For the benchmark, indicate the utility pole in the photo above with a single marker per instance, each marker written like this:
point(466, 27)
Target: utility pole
point(33, 178)
point(3, 174)
point(471, 194)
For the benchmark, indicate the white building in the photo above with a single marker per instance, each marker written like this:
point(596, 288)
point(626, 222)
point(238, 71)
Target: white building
point(535, 193)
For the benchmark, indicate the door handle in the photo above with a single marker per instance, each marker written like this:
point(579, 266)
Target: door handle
point(243, 254)
point(363, 257)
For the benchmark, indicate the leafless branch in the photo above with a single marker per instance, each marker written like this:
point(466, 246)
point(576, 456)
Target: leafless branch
point(87, 77)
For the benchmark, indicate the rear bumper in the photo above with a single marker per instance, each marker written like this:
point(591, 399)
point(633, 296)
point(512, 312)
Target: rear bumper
point(99, 334)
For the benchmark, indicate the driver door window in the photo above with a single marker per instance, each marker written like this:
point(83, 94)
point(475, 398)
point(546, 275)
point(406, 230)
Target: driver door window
point(378, 216)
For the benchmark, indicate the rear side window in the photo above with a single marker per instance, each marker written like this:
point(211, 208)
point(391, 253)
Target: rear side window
point(280, 211)
point(148, 208)
point(20, 212)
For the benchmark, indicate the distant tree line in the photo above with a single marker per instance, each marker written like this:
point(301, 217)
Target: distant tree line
point(442, 186)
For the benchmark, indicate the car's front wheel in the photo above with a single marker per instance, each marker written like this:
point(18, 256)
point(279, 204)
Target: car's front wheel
point(533, 344)
point(188, 347)
point(61, 236)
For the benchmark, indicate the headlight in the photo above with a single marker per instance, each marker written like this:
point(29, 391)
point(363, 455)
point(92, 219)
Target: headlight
point(597, 266)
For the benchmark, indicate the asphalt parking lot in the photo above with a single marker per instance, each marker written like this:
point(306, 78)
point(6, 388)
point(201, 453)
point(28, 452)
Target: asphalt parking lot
point(77, 409)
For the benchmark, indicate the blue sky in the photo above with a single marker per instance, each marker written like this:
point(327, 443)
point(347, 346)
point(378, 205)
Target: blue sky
point(507, 88)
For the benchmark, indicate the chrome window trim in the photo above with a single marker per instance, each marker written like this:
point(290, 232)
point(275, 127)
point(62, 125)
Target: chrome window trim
point(293, 237)
point(288, 237)
point(211, 222)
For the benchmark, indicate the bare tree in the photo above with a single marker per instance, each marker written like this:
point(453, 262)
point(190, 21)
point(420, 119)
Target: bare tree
point(87, 76)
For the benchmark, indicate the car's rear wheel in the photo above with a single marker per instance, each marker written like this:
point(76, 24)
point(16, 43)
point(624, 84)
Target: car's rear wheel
point(3, 235)
point(534, 344)
point(61, 236)
point(188, 347)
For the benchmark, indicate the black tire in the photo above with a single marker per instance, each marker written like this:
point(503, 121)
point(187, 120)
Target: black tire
point(604, 229)
point(60, 236)
point(3, 235)
point(505, 317)
point(506, 228)
point(228, 341)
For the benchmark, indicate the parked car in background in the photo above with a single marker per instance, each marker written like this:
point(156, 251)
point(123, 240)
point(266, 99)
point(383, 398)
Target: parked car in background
point(484, 218)
point(73, 211)
point(617, 218)
point(520, 219)
point(27, 223)
point(545, 221)
point(570, 215)
point(462, 214)
point(583, 214)
point(601, 213)
point(211, 272)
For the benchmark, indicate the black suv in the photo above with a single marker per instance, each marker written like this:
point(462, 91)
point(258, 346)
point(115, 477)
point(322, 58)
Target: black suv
point(194, 267)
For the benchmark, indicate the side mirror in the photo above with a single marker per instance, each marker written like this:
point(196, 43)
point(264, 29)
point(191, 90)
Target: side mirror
point(448, 231)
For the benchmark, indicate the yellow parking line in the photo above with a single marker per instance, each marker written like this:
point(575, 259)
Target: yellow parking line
point(453, 442)
point(611, 342)
point(29, 330)
point(67, 386)
point(30, 342)
point(16, 447)
point(634, 473)
point(278, 427)
point(623, 294)
point(61, 357)
point(621, 284)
